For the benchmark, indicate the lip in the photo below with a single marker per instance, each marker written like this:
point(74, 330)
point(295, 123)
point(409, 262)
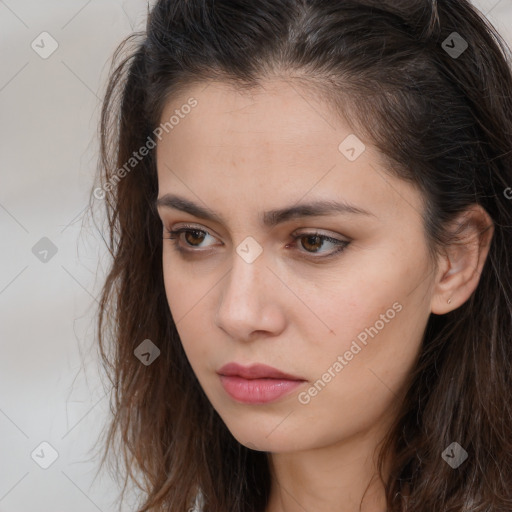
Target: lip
point(256, 384)
point(255, 371)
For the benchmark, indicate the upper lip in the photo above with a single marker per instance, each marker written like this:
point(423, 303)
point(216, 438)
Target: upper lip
point(255, 371)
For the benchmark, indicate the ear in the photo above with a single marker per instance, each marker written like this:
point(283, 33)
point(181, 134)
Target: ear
point(460, 266)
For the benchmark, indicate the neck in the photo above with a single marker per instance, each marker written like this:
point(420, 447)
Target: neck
point(335, 478)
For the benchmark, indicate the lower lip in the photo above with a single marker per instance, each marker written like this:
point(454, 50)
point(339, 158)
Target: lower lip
point(257, 391)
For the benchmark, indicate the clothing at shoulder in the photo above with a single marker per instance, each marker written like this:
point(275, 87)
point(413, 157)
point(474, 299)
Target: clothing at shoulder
point(198, 505)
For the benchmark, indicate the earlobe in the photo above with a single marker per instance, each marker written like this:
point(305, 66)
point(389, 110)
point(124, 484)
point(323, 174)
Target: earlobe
point(463, 260)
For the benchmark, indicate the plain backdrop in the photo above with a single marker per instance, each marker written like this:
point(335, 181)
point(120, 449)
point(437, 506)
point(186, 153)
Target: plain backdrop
point(52, 402)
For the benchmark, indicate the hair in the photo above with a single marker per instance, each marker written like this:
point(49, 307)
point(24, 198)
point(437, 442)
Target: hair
point(442, 122)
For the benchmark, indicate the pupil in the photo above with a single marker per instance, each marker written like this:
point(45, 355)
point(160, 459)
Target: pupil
point(311, 240)
point(195, 234)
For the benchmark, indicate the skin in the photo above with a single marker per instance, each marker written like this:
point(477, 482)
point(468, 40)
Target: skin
point(241, 154)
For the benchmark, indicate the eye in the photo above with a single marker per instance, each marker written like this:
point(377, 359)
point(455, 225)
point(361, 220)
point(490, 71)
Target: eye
point(312, 242)
point(193, 237)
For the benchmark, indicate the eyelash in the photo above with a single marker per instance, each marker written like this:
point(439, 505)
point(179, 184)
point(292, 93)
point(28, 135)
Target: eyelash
point(175, 237)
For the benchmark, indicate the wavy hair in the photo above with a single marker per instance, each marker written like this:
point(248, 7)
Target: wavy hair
point(442, 121)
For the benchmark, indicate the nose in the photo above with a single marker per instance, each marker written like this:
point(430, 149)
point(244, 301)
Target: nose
point(249, 301)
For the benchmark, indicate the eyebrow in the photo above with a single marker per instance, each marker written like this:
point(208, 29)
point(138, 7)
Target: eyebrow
point(271, 218)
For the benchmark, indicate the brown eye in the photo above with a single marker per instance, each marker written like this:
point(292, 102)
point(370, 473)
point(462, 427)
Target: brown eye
point(192, 236)
point(312, 242)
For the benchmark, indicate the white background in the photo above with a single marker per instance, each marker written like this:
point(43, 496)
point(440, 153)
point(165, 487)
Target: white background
point(49, 385)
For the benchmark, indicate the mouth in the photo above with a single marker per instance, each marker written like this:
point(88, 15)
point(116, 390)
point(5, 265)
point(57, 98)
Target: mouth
point(257, 384)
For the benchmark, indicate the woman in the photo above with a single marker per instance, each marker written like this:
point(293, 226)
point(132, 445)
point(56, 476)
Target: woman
point(309, 305)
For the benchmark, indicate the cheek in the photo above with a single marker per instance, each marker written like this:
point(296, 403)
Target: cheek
point(374, 318)
point(356, 377)
point(182, 298)
point(185, 285)
point(187, 298)
point(350, 300)
point(365, 392)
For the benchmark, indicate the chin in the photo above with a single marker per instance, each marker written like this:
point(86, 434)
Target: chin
point(267, 434)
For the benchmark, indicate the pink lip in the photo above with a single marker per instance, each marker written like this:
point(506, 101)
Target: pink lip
point(255, 371)
point(256, 384)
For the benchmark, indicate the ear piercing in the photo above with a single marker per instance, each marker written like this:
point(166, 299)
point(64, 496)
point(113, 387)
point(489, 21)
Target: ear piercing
point(449, 300)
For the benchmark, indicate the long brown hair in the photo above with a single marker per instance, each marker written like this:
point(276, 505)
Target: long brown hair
point(443, 121)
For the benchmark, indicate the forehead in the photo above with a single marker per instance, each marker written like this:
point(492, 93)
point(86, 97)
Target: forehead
point(274, 116)
point(277, 126)
point(263, 148)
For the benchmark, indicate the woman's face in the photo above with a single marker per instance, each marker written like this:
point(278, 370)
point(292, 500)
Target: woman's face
point(337, 299)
